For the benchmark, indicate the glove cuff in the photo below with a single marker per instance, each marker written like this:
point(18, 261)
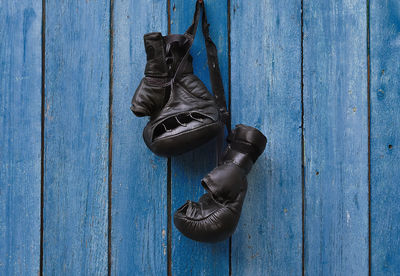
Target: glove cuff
point(238, 158)
point(156, 61)
point(247, 140)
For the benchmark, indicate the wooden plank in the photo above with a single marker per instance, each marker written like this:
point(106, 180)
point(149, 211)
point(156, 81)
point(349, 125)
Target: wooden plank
point(385, 136)
point(190, 257)
point(139, 186)
point(76, 137)
point(20, 136)
point(336, 137)
point(266, 94)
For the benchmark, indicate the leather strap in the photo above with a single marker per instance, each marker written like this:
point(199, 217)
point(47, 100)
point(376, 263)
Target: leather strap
point(215, 73)
point(212, 60)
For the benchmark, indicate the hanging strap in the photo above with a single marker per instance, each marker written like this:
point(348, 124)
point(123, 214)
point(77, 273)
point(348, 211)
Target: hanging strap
point(212, 59)
point(215, 74)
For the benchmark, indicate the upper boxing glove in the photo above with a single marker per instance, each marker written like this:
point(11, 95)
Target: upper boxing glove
point(216, 215)
point(183, 113)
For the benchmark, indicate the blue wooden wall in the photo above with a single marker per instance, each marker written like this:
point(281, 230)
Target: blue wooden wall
point(80, 194)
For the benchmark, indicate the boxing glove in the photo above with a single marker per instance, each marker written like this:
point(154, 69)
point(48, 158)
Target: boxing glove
point(183, 113)
point(216, 215)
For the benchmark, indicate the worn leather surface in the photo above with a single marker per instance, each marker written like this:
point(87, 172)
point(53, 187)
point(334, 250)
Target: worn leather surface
point(183, 113)
point(215, 216)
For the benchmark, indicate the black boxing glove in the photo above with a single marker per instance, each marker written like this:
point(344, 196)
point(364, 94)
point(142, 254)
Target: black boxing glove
point(216, 215)
point(183, 113)
point(149, 97)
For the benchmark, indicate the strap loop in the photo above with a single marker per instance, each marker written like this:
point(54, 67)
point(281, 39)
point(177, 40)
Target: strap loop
point(212, 60)
point(213, 67)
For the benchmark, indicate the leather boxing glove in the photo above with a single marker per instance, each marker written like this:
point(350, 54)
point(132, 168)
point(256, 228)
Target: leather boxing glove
point(183, 113)
point(216, 215)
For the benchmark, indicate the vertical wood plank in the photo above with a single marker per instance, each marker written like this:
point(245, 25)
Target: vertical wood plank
point(20, 136)
point(266, 94)
point(76, 137)
point(385, 136)
point(336, 137)
point(139, 186)
point(190, 257)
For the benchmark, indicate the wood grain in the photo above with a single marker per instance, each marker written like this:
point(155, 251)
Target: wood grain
point(20, 136)
point(76, 137)
point(139, 186)
point(336, 137)
point(385, 136)
point(190, 257)
point(266, 94)
point(266, 57)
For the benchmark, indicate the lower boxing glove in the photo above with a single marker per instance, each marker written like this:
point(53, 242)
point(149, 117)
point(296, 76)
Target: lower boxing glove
point(216, 215)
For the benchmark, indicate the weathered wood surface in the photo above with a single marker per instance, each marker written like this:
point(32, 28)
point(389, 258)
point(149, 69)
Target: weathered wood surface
point(76, 138)
point(335, 137)
point(189, 257)
point(385, 136)
point(20, 139)
point(326, 209)
point(139, 178)
point(266, 94)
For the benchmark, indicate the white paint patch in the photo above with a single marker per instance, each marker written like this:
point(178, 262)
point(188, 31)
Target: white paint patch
point(348, 217)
